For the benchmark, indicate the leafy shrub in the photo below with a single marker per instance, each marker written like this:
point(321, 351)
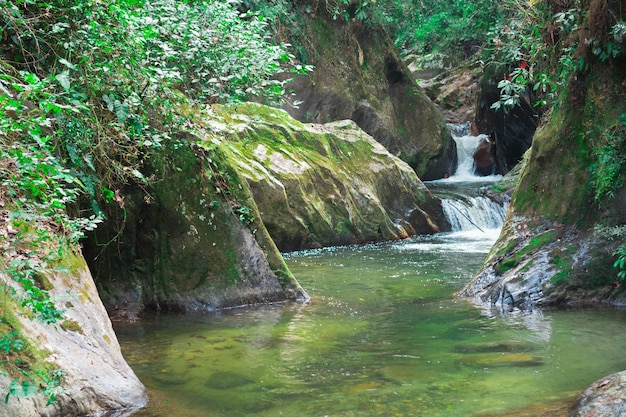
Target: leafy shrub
point(532, 67)
point(456, 29)
point(620, 263)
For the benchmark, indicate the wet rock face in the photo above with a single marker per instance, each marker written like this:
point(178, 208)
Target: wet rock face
point(359, 76)
point(484, 158)
point(323, 185)
point(605, 397)
point(97, 379)
point(547, 265)
point(511, 132)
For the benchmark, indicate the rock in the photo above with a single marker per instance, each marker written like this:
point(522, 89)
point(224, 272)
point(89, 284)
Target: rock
point(192, 240)
point(504, 360)
point(606, 397)
point(97, 379)
point(484, 158)
point(359, 76)
point(455, 91)
point(563, 228)
point(322, 185)
point(224, 380)
point(511, 132)
point(548, 265)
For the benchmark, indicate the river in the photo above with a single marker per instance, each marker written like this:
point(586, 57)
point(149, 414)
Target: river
point(383, 335)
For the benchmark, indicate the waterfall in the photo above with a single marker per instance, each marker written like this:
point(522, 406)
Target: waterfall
point(464, 198)
point(473, 213)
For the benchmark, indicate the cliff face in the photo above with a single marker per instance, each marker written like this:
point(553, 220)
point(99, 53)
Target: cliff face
point(95, 377)
point(558, 243)
point(359, 76)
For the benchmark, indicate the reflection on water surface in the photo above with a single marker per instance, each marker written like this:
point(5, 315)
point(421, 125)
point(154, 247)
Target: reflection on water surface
point(382, 336)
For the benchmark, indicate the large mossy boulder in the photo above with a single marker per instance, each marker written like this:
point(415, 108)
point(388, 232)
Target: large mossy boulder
point(359, 76)
point(322, 184)
point(567, 214)
point(81, 348)
point(190, 239)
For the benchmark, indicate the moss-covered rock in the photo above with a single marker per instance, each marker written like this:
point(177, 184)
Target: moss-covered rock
point(571, 192)
point(192, 240)
point(321, 185)
point(81, 350)
point(360, 76)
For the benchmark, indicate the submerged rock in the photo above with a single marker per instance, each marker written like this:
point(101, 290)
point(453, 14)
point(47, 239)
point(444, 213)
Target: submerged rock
point(96, 379)
point(322, 185)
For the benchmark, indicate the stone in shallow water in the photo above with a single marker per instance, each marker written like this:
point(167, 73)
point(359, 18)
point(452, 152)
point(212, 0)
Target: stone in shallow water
point(508, 347)
point(501, 360)
point(166, 379)
point(227, 380)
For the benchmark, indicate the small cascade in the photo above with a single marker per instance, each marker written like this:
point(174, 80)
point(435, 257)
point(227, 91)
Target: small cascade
point(479, 213)
point(463, 197)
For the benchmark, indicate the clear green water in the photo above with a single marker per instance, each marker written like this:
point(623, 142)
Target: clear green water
point(382, 336)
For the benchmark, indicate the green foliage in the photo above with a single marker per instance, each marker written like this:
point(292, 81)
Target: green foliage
point(245, 214)
point(213, 50)
point(610, 46)
point(530, 66)
point(11, 342)
point(610, 159)
point(616, 233)
point(538, 47)
point(449, 31)
point(620, 263)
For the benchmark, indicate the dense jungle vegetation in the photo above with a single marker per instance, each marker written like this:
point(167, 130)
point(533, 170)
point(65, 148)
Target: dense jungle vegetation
point(90, 89)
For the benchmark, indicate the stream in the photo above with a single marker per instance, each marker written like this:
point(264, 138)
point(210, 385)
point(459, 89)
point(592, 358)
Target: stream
point(383, 335)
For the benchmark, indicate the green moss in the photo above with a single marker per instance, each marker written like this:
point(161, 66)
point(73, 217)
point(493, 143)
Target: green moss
point(506, 265)
point(562, 259)
point(71, 326)
point(84, 292)
point(508, 248)
point(72, 262)
point(516, 258)
point(42, 282)
point(232, 270)
point(538, 241)
point(20, 358)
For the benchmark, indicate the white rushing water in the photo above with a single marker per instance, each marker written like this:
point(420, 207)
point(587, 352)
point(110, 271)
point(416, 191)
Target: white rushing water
point(466, 145)
point(469, 213)
point(474, 217)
